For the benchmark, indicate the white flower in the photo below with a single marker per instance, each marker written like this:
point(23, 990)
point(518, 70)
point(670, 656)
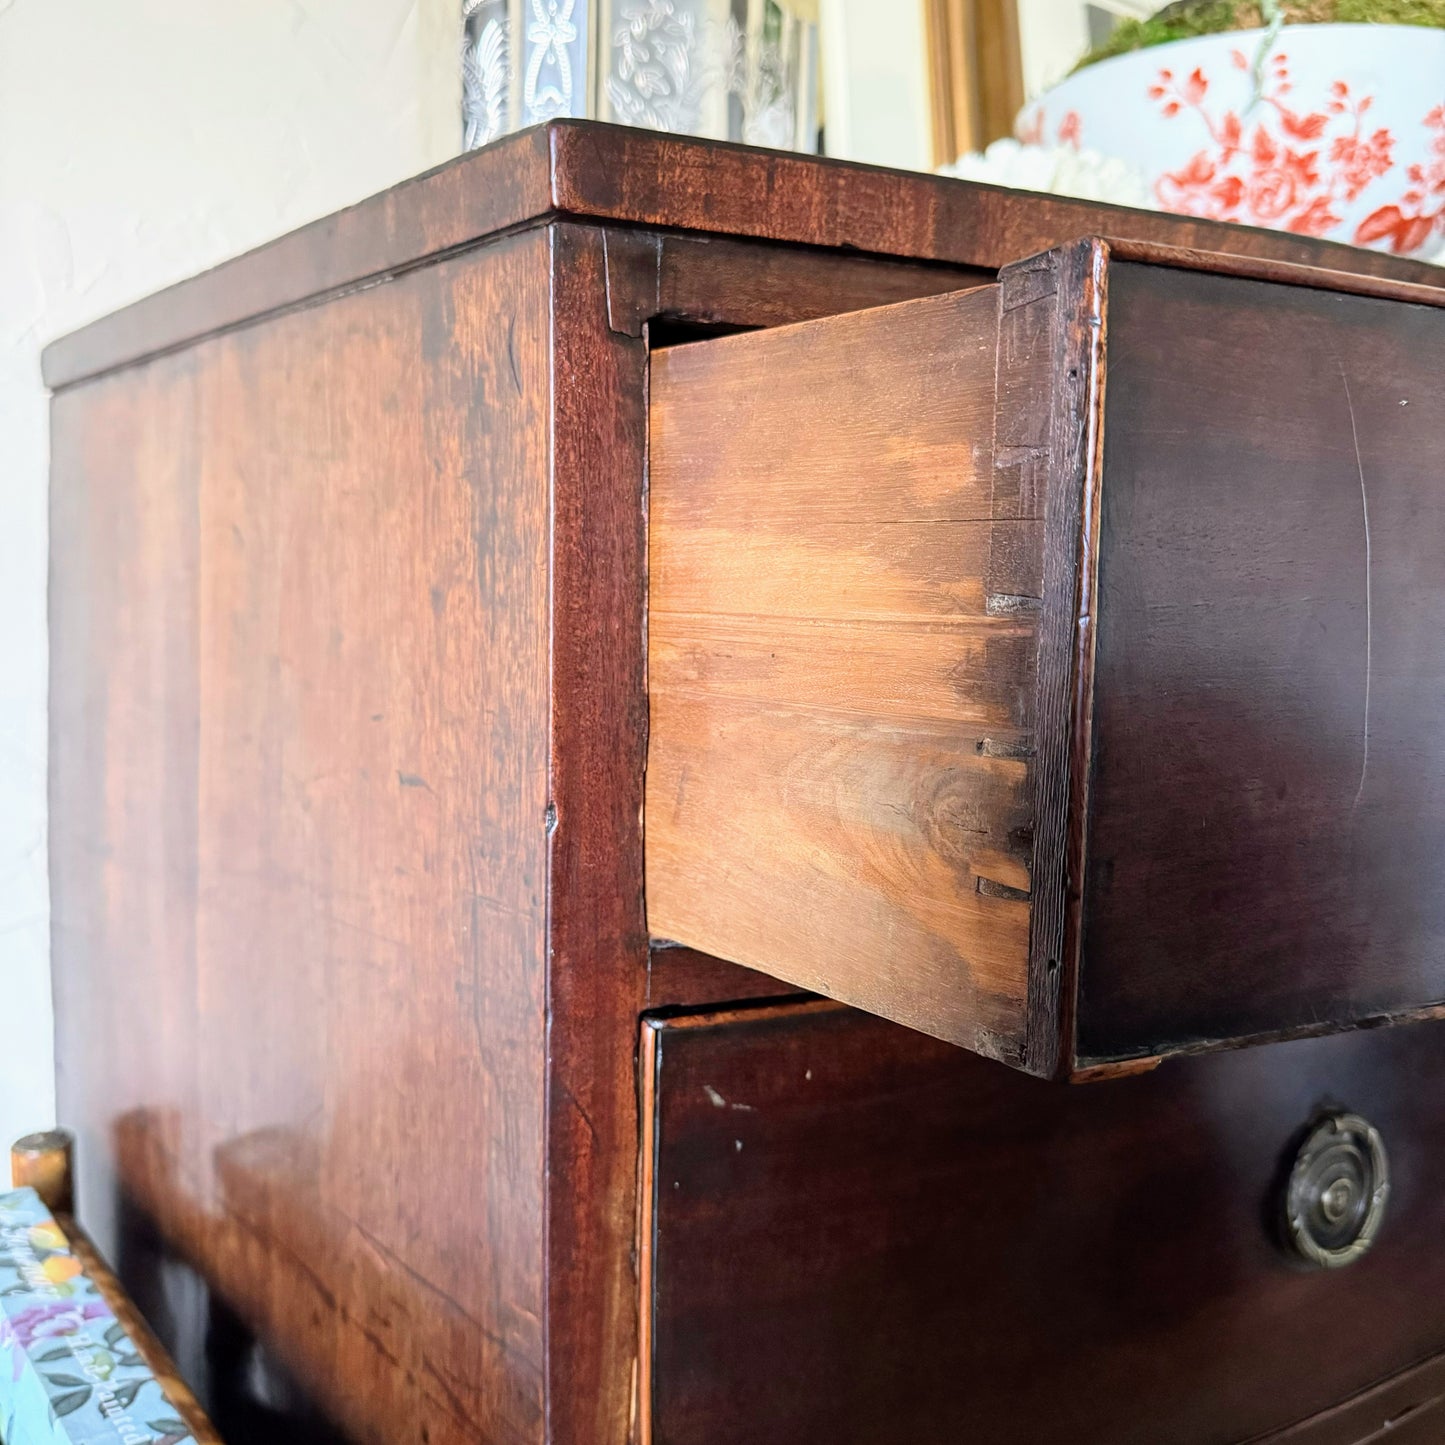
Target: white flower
point(1058, 170)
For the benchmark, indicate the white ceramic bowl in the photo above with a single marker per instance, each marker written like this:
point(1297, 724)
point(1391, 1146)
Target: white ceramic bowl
point(1343, 136)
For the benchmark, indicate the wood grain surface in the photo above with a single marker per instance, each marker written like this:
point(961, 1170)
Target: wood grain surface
point(859, 1234)
point(1053, 327)
point(299, 848)
point(841, 707)
point(598, 932)
point(1408, 1406)
point(657, 278)
point(1316, 277)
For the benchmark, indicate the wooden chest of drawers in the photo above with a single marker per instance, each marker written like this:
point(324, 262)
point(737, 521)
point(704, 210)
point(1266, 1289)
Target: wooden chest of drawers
point(482, 677)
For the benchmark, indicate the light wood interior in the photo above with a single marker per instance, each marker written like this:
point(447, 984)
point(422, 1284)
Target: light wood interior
point(838, 785)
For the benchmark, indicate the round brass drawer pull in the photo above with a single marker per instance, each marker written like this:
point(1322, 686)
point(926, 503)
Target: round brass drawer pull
point(1338, 1187)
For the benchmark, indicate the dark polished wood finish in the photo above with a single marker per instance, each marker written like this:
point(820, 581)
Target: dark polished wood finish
point(1268, 793)
point(350, 710)
point(1408, 1407)
point(858, 1234)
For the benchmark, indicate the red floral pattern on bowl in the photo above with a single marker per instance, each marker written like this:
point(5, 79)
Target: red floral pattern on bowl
point(1339, 132)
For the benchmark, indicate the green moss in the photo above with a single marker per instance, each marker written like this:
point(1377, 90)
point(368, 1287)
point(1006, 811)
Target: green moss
point(1187, 18)
point(1391, 12)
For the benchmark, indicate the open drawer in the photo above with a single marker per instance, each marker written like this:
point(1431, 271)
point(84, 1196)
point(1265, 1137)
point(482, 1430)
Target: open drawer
point(1058, 667)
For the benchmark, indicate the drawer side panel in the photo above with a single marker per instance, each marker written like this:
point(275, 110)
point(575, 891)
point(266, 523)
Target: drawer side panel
point(843, 619)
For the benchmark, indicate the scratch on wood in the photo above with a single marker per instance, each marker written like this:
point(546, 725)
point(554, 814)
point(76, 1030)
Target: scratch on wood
point(681, 789)
point(1369, 588)
point(582, 1114)
point(512, 353)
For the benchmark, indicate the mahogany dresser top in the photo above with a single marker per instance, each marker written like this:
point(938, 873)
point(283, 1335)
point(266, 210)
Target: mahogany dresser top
point(592, 171)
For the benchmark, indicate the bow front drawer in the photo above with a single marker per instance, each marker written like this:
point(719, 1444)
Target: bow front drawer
point(1058, 667)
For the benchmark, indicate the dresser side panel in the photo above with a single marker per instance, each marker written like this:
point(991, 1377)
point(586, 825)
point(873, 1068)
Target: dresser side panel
point(299, 772)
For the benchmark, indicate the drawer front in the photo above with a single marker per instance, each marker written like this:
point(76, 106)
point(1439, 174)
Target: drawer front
point(1057, 667)
point(854, 1233)
point(1267, 801)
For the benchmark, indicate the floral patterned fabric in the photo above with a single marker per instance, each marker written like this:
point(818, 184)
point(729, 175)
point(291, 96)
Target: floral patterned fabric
point(69, 1373)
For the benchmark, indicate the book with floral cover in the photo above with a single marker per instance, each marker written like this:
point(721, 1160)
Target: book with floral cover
point(69, 1371)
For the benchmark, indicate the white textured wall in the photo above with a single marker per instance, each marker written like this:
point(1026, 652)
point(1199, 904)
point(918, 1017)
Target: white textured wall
point(142, 141)
point(876, 83)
